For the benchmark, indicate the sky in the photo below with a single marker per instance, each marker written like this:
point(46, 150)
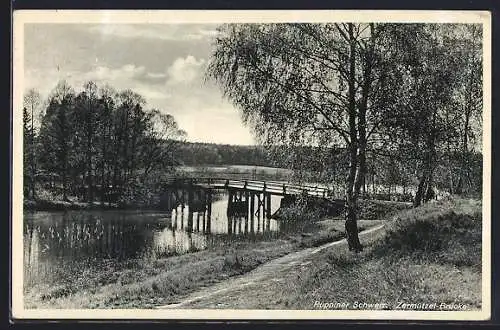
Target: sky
point(164, 63)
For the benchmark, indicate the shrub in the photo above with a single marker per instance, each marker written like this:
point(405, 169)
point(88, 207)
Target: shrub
point(375, 209)
point(138, 195)
point(232, 260)
point(434, 229)
point(295, 213)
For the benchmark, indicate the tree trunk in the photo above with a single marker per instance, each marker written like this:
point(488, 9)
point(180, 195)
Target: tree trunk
point(425, 185)
point(468, 111)
point(351, 226)
point(65, 197)
point(351, 208)
point(358, 139)
point(420, 191)
point(463, 157)
point(103, 177)
point(459, 187)
point(451, 188)
point(33, 156)
point(90, 192)
point(429, 193)
point(373, 181)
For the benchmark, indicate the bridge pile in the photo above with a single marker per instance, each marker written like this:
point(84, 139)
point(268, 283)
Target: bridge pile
point(245, 196)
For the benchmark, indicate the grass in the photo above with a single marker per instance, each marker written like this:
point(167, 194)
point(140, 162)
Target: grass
point(379, 209)
point(428, 254)
point(431, 254)
point(145, 283)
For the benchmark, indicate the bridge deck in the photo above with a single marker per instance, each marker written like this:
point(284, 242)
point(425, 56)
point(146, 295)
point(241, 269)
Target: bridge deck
point(271, 187)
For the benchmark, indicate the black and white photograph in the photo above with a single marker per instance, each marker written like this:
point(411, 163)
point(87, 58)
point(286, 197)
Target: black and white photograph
point(251, 164)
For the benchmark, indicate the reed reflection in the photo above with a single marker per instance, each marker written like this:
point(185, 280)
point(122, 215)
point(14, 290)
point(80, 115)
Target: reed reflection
point(58, 242)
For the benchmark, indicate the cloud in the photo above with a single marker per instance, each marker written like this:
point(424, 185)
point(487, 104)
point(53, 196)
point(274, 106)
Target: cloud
point(215, 125)
point(202, 33)
point(126, 77)
point(132, 77)
point(199, 109)
point(128, 71)
point(155, 75)
point(164, 63)
point(185, 70)
point(178, 32)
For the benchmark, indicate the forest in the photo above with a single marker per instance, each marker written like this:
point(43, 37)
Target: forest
point(95, 145)
point(410, 92)
point(199, 154)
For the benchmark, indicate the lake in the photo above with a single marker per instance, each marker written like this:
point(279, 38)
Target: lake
point(56, 241)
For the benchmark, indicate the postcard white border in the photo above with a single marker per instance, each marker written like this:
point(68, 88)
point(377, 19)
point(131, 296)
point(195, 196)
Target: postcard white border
point(22, 17)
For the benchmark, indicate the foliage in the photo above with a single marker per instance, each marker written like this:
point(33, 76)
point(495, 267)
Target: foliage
point(31, 111)
point(394, 89)
point(221, 154)
point(305, 83)
point(435, 227)
point(101, 144)
point(428, 254)
point(300, 212)
point(431, 113)
point(377, 209)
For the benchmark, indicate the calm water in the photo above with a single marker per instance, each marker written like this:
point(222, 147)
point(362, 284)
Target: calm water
point(53, 241)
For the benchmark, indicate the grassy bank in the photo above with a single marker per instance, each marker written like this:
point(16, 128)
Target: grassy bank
point(145, 283)
point(431, 254)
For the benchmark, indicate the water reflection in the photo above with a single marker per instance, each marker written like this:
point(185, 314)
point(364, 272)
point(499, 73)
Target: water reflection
point(54, 242)
point(168, 242)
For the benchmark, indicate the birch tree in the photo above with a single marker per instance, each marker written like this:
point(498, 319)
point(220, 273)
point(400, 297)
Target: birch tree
point(296, 82)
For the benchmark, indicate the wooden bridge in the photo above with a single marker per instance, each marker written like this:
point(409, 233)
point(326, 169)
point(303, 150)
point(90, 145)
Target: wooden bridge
point(268, 187)
point(245, 196)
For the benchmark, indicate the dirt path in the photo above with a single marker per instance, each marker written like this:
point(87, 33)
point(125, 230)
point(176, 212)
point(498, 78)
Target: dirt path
point(234, 289)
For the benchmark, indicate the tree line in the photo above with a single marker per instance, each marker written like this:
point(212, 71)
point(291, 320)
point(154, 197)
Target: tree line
point(199, 154)
point(409, 92)
point(388, 176)
point(97, 144)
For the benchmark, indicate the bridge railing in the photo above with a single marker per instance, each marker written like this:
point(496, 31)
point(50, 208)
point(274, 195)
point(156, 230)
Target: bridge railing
point(284, 187)
point(215, 180)
point(264, 186)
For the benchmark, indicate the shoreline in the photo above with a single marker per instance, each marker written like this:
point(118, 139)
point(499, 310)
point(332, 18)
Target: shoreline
point(401, 268)
point(60, 205)
point(142, 283)
point(152, 282)
point(376, 208)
